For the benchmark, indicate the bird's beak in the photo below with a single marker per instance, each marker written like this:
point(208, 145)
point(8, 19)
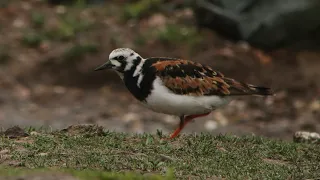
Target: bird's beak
point(106, 65)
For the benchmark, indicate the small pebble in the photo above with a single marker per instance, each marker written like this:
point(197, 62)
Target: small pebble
point(61, 10)
point(211, 125)
point(303, 136)
point(129, 117)
point(4, 151)
point(59, 89)
point(170, 119)
point(18, 23)
point(315, 105)
point(34, 133)
point(220, 118)
point(43, 154)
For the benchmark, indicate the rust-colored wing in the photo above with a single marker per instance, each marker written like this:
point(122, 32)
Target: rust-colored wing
point(190, 78)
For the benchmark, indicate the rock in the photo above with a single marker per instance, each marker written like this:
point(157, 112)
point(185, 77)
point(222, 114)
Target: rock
point(133, 122)
point(43, 154)
point(220, 118)
point(15, 132)
point(264, 24)
point(34, 133)
point(315, 105)
point(59, 90)
point(19, 23)
point(299, 104)
point(306, 137)
point(211, 125)
point(157, 21)
point(131, 117)
point(22, 92)
point(172, 120)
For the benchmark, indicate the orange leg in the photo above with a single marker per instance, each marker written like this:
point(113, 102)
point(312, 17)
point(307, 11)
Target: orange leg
point(184, 121)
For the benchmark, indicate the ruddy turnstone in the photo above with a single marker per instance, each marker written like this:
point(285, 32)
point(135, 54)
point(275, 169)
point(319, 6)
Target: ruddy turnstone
point(176, 86)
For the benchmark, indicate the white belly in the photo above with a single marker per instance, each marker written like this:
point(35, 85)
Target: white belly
point(163, 101)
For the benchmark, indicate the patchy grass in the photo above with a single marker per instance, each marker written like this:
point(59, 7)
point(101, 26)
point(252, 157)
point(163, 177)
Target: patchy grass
point(178, 34)
point(140, 9)
point(60, 24)
point(189, 156)
point(32, 39)
point(73, 31)
point(68, 27)
point(171, 35)
point(37, 19)
point(78, 51)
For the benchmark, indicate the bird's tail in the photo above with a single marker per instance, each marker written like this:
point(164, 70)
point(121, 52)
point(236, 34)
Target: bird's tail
point(262, 91)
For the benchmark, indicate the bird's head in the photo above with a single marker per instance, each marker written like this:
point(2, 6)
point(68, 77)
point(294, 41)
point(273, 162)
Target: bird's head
point(121, 60)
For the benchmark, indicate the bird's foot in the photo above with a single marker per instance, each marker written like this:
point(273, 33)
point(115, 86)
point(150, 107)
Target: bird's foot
point(184, 121)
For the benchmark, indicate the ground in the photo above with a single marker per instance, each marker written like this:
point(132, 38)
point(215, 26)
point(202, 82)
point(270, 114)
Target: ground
point(91, 152)
point(48, 53)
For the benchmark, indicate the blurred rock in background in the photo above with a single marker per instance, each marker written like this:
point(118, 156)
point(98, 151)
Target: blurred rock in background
point(265, 24)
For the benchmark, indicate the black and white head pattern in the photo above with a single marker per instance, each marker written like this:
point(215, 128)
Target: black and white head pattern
point(123, 59)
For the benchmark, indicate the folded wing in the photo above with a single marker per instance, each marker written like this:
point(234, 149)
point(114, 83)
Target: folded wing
point(190, 78)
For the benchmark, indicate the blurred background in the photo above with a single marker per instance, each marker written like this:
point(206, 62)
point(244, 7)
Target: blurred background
point(49, 48)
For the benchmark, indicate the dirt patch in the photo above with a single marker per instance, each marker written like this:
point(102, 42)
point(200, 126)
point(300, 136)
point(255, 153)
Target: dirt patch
point(277, 162)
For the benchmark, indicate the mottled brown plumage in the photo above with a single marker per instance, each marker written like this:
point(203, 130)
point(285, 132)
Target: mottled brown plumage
point(190, 78)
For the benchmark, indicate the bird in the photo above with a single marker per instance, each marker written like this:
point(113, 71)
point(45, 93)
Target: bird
point(176, 86)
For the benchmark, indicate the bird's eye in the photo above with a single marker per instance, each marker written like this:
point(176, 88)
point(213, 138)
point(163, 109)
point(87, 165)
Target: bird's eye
point(120, 58)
